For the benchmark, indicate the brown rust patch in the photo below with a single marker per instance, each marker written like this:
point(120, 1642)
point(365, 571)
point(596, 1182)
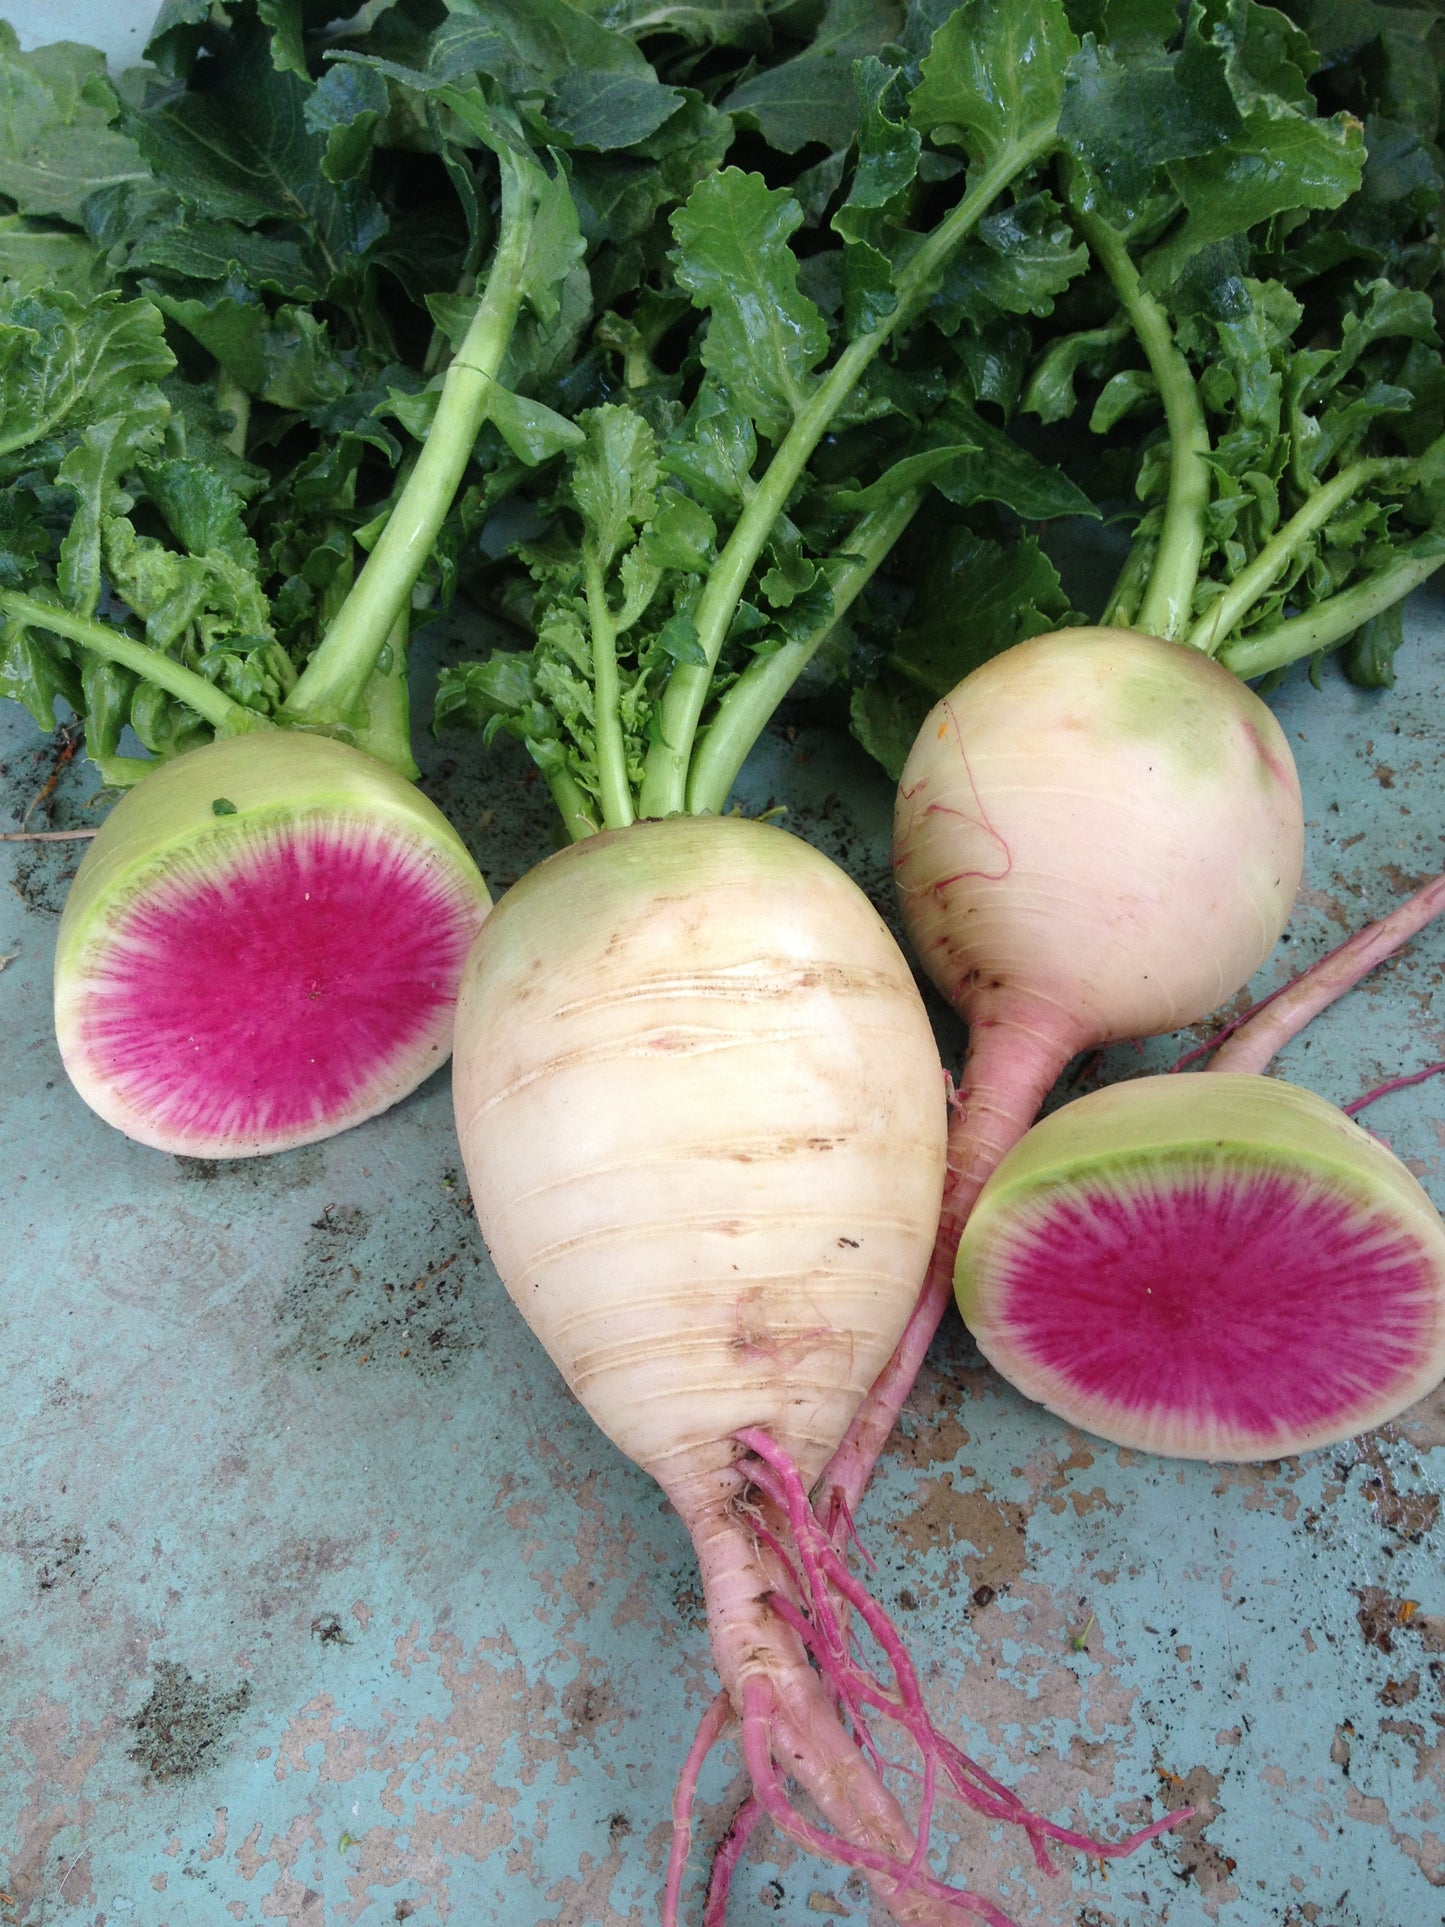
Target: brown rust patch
point(947, 1517)
point(1199, 1859)
point(1410, 1514)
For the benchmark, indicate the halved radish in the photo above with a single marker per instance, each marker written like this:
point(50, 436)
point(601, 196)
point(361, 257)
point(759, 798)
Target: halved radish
point(262, 947)
point(1217, 1267)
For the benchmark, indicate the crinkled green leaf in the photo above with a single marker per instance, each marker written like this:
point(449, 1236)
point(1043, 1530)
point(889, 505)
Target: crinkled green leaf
point(888, 151)
point(1369, 655)
point(1125, 114)
point(202, 511)
point(65, 363)
point(810, 98)
point(763, 337)
point(973, 598)
point(107, 692)
point(994, 468)
point(532, 431)
point(1124, 394)
point(58, 140)
point(1050, 391)
point(94, 473)
point(288, 52)
point(1275, 163)
point(994, 77)
point(912, 471)
point(681, 535)
point(613, 478)
point(38, 258)
point(607, 110)
point(243, 152)
point(344, 107)
point(36, 670)
point(1022, 259)
point(200, 250)
point(713, 450)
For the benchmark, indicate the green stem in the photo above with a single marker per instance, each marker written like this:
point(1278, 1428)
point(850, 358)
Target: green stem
point(1214, 627)
point(333, 682)
point(1334, 619)
point(664, 784)
point(213, 705)
point(616, 791)
point(573, 803)
point(743, 712)
point(1169, 598)
point(233, 400)
point(387, 732)
point(1123, 603)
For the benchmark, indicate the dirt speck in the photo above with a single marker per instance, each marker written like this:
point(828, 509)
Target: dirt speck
point(183, 1722)
point(1199, 1859)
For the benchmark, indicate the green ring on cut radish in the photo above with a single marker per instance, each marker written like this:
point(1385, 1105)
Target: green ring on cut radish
point(241, 979)
point(1216, 1267)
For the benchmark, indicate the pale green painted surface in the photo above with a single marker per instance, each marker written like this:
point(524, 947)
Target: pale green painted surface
point(320, 1602)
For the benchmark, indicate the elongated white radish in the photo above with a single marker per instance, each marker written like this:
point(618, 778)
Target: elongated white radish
point(262, 946)
point(703, 1120)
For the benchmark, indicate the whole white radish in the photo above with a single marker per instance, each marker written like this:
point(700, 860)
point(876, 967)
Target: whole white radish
point(703, 1121)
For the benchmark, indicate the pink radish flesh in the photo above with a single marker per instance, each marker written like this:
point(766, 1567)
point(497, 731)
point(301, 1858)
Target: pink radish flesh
point(262, 947)
point(1254, 1292)
point(294, 978)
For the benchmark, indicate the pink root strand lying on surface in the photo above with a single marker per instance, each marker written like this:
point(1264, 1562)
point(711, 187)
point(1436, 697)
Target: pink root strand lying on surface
point(828, 1603)
point(1258, 1034)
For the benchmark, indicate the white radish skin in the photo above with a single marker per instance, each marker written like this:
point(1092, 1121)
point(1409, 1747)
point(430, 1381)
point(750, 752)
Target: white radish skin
point(702, 1117)
point(1102, 827)
point(701, 1110)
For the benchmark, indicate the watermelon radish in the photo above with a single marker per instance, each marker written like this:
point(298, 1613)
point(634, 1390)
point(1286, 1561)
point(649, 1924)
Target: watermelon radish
point(1217, 1267)
point(1098, 835)
point(264, 943)
point(262, 947)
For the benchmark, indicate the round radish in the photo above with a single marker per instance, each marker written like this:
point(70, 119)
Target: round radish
point(1216, 1267)
point(1098, 835)
point(262, 947)
point(704, 1124)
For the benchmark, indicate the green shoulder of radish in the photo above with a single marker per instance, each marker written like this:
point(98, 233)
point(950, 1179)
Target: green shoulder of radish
point(699, 1103)
point(264, 939)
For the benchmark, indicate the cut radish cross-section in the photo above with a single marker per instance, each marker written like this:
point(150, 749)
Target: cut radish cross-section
point(262, 947)
point(1216, 1267)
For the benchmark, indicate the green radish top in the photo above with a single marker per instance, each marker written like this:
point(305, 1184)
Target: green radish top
point(1231, 1110)
point(176, 634)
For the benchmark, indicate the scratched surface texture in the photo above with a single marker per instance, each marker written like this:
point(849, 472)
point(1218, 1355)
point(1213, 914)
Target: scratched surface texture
point(321, 1602)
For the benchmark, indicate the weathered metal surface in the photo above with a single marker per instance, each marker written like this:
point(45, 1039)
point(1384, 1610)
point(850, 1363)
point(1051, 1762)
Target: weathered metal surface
point(321, 1602)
